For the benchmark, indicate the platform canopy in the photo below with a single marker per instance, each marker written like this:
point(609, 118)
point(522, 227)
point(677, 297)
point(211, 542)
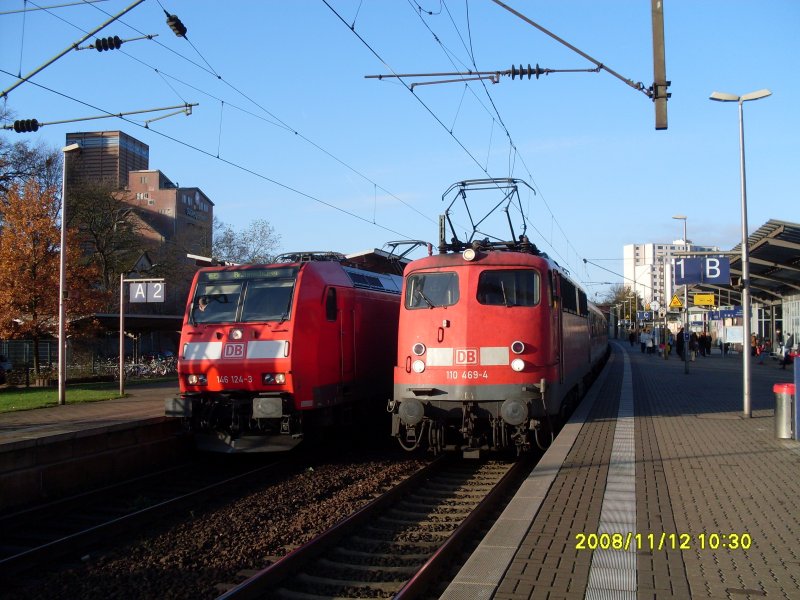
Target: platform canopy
point(774, 264)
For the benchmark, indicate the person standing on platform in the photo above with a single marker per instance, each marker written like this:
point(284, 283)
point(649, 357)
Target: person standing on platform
point(643, 341)
point(680, 345)
point(787, 351)
point(763, 351)
point(693, 345)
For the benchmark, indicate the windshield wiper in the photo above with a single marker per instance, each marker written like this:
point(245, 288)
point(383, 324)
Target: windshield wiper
point(505, 297)
point(285, 314)
point(424, 297)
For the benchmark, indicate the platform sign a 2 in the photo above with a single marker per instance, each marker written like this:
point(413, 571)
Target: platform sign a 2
point(147, 291)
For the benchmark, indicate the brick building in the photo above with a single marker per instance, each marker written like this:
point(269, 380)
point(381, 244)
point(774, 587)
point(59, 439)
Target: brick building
point(170, 221)
point(168, 211)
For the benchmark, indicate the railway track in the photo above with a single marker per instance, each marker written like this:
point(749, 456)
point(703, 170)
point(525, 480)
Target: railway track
point(67, 527)
point(397, 545)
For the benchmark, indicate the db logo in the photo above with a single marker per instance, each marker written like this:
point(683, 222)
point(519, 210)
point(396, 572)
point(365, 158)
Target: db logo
point(233, 351)
point(466, 356)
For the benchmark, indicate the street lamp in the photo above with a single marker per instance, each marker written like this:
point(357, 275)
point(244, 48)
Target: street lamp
point(62, 280)
point(722, 97)
point(686, 336)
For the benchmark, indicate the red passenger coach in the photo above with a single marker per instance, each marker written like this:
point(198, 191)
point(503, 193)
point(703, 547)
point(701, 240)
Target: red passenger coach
point(268, 352)
point(495, 346)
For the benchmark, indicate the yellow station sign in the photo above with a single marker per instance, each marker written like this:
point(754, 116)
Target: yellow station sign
point(704, 300)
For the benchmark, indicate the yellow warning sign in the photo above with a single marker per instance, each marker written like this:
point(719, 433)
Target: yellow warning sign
point(704, 300)
point(675, 302)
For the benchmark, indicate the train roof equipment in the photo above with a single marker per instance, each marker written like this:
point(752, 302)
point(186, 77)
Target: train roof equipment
point(509, 191)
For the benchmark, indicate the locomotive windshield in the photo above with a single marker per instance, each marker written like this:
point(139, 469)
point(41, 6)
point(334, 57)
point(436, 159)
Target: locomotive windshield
point(509, 287)
point(253, 295)
point(267, 300)
point(216, 302)
point(428, 290)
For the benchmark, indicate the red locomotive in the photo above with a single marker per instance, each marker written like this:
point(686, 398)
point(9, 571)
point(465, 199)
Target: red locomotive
point(495, 344)
point(268, 352)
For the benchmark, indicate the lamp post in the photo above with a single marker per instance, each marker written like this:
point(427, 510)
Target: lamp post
point(740, 100)
point(631, 313)
point(686, 335)
point(62, 280)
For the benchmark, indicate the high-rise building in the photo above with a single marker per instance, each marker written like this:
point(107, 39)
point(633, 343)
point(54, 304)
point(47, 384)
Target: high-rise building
point(107, 156)
point(169, 221)
point(166, 212)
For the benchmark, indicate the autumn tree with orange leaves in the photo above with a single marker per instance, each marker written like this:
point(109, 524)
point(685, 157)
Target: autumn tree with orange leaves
point(29, 268)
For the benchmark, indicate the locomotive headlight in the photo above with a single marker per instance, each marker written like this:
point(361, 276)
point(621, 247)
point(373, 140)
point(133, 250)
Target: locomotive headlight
point(418, 366)
point(273, 378)
point(517, 347)
point(514, 411)
point(518, 364)
point(469, 254)
point(418, 349)
point(411, 411)
point(196, 379)
point(236, 334)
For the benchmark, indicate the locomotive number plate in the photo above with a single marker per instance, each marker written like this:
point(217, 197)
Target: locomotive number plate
point(468, 375)
point(234, 379)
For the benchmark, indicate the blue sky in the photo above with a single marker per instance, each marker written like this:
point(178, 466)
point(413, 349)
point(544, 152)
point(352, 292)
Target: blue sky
point(298, 129)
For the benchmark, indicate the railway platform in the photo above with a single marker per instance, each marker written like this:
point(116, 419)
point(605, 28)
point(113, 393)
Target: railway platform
point(51, 452)
point(657, 488)
point(30, 427)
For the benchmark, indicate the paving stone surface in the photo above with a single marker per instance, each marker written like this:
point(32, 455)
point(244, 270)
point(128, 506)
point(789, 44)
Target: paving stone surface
point(717, 495)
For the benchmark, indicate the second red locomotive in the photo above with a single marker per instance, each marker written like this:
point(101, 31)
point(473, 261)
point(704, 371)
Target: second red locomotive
point(268, 351)
point(495, 345)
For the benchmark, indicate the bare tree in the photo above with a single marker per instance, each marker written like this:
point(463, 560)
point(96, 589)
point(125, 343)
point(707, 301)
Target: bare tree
point(256, 244)
point(109, 228)
point(23, 161)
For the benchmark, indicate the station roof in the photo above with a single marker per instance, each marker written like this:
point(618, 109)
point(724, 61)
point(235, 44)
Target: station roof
point(774, 257)
point(378, 261)
point(138, 323)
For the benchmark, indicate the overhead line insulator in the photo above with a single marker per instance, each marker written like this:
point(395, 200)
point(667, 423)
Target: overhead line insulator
point(108, 43)
point(26, 125)
point(175, 24)
point(537, 70)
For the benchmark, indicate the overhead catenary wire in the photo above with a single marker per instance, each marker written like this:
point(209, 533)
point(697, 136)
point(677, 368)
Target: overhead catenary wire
point(42, 67)
point(499, 119)
point(513, 148)
point(427, 108)
point(276, 121)
point(185, 108)
point(223, 160)
point(638, 86)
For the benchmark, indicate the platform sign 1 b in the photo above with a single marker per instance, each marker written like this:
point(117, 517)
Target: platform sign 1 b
point(147, 291)
point(710, 269)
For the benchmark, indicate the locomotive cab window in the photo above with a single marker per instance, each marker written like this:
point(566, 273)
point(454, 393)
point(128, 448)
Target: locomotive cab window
point(216, 303)
point(430, 290)
point(515, 287)
point(268, 300)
